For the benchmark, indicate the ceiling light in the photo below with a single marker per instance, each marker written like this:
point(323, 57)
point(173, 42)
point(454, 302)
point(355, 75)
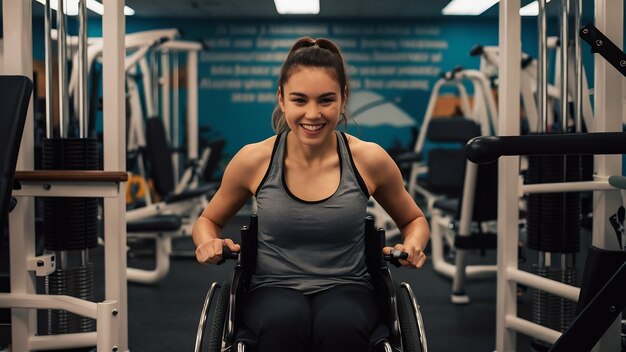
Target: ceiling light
point(468, 7)
point(297, 7)
point(71, 7)
point(531, 9)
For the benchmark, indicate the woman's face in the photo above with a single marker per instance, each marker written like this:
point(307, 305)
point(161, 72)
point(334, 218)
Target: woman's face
point(311, 101)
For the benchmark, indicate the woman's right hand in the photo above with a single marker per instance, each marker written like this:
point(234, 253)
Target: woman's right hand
point(210, 252)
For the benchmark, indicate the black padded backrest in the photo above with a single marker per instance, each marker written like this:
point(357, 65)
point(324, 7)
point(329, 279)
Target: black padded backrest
point(452, 129)
point(15, 92)
point(159, 156)
point(446, 168)
point(215, 156)
point(486, 193)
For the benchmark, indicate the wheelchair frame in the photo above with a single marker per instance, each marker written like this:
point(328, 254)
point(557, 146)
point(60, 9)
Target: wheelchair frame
point(401, 325)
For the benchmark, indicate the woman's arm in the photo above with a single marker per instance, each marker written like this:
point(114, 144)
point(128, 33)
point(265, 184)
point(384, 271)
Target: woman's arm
point(384, 180)
point(238, 182)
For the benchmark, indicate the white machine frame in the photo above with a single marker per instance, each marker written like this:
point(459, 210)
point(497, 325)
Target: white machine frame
point(441, 232)
point(608, 87)
point(490, 60)
point(188, 180)
point(111, 314)
point(484, 112)
point(138, 45)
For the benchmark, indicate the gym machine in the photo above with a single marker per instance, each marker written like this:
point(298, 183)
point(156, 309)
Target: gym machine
point(608, 116)
point(109, 317)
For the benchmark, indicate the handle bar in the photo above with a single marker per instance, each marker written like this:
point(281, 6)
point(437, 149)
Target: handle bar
point(227, 254)
point(487, 149)
point(393, 258)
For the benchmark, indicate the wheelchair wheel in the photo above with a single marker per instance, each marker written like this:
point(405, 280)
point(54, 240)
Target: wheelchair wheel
point(214, 312)
point(411, 323)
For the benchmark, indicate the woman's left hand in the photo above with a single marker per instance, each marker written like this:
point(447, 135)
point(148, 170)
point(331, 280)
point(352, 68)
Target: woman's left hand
point(416, 258)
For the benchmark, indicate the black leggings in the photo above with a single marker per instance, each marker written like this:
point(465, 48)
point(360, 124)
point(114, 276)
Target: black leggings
point(337, 319)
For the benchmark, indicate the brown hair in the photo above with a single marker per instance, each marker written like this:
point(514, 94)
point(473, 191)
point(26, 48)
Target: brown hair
point(310, 52)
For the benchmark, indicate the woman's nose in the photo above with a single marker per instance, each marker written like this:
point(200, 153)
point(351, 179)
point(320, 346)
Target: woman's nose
point(313, 112)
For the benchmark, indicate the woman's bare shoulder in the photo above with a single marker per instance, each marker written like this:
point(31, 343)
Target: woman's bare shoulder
point(255, 153)
point(368, 153)
point(251, 162)
point(374, 164)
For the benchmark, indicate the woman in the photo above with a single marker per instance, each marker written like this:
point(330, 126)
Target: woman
point(312, 184)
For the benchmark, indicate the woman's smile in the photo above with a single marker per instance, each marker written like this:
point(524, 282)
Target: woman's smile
point(313, 128)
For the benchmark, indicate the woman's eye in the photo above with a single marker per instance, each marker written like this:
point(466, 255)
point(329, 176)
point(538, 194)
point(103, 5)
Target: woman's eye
point(298, 100)
point(327, 101)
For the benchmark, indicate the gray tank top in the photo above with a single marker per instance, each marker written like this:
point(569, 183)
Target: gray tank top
point(311, 246)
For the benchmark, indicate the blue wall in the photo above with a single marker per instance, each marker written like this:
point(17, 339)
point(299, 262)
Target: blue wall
point(397, 60)
point(377, 52)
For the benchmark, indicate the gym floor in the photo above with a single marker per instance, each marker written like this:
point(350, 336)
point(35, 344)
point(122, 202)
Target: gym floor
point(164, 316)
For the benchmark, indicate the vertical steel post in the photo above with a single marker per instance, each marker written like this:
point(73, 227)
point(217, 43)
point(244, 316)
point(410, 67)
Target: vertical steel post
point(82, 69)
point(542, 64)
point(564, 17)
point(62, 56)
point(48, 68)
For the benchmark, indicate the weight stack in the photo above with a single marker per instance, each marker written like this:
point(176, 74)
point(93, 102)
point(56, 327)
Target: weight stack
point(551, 310)
point(554, 226)
point(76, 282)
point(554, 218)
point(70, 229)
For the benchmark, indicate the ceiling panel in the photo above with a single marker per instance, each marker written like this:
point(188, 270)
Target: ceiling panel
point(264, 9)
point(328, 8)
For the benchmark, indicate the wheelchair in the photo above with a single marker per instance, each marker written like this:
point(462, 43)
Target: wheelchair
point(400, 327)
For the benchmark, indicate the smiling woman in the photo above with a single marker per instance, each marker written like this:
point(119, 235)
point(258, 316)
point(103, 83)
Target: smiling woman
point(320, 54)
point(312, 185)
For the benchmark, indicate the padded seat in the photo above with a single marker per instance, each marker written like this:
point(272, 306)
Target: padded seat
point(448, 205)
point(191, 193)
point(155, 224)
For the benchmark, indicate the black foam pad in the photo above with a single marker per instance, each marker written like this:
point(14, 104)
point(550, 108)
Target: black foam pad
point(15, 92)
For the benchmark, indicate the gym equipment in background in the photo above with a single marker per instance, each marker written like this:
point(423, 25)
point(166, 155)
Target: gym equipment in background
point(465, 225)
point(483, 113)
